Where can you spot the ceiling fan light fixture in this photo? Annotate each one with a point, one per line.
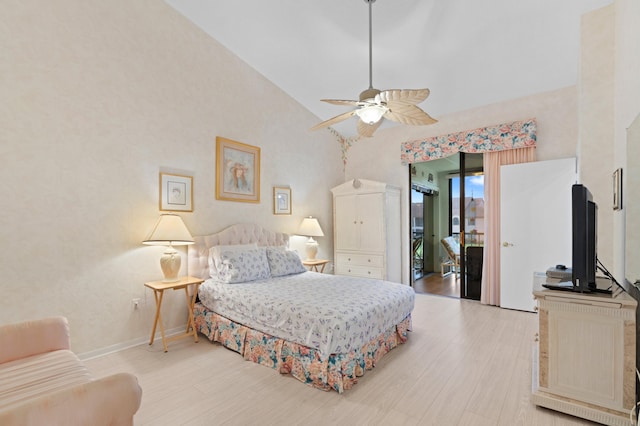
(375, 105)
(371, 114)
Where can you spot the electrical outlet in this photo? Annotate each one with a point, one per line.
(135, 303)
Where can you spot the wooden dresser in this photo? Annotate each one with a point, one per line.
(585, 358)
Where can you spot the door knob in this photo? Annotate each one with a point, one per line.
(506, 244)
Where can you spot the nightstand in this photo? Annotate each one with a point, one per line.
(313, 264)
(158, 288)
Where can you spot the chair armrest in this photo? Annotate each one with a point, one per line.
(112, 400)
(29, 338)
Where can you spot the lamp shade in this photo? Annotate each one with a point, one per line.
(169, 230)
(310, 227)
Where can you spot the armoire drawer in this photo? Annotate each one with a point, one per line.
(367, 260)
(360, 271)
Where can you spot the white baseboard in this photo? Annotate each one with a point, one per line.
(129, 344)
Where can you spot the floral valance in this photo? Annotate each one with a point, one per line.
(519, 134)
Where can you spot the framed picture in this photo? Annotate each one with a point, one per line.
(176, 193)
(281, 200)
(617, 189)
(237, 171)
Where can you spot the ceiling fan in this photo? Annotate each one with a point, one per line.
(373, 105)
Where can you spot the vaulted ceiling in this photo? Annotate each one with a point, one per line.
(468, 53)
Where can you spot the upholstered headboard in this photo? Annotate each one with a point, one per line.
(242, 233)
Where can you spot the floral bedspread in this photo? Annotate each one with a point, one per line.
(328, 313)
(337, 371)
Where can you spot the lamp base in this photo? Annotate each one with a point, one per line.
(311, 248)
(170, 264)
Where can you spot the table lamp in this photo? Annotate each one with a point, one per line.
(311, 228)
(169, 231)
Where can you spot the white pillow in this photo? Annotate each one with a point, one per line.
(284, 262)
(214, 255)
(242, 266)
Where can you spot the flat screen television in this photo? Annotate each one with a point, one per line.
(584, 219)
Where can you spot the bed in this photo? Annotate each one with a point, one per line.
(324, 330)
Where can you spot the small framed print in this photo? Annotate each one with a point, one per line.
(176, 193)
(281, 200)
(617, 189)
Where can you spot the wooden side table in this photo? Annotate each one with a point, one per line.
(158, 288)
(314, 263)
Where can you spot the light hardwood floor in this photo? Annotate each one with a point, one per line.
(434, 283)
(464, 364)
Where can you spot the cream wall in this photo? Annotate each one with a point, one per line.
(626, 107)
(98, 98)
(609, 102)
(378, 158)
(596, 117)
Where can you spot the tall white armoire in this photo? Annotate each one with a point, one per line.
(366, 230)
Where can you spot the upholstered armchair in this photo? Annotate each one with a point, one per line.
(43, 383)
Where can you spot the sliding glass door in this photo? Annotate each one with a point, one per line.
(466, 221)
(447, 225)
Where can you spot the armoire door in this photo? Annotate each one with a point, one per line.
(345, 222)
(371, 221)
(360, 222)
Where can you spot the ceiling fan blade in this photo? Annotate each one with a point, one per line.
(367, 130)
(334, 120)
(411, 96)
(341, 102)
(408, 114)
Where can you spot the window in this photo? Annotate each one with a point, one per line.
(473, 207)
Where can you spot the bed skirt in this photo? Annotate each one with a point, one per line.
(338, 371)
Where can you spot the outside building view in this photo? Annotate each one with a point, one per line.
(474, 209)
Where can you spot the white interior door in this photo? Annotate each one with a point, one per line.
(535, 228)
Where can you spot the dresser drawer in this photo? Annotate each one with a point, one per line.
(360, 271)
(366, 260)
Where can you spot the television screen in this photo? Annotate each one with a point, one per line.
(584, 217)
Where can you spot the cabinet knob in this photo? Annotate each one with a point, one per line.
(369, 260)
(361, 222)
(535, 308)
(369, 272)
(349, 259)
(355, 222)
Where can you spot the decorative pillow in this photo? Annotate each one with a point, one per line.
(242, 266)
(284, 262)
(214, 255)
